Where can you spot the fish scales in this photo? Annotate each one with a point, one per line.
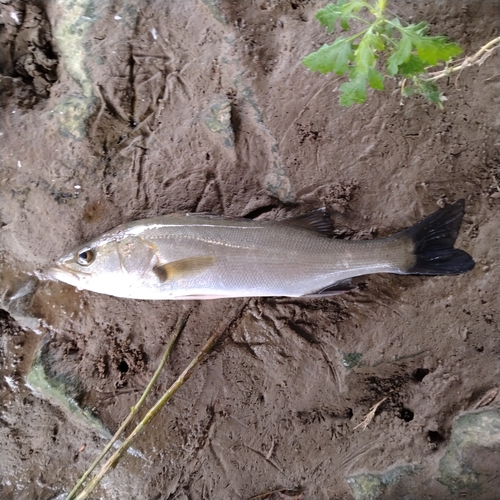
(252, 256)
(197, 256)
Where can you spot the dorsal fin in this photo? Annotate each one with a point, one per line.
(317, 220)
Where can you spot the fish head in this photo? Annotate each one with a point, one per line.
(116, 263)
(90, 266)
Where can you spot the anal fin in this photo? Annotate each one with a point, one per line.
(335, 289)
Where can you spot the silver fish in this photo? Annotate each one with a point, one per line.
(195, 256)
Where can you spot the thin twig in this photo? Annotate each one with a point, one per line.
(286, 494)
(370, 415)
(487, 398)
(180, 326)
(99, 114)
(183, 377)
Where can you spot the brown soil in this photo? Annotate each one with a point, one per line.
(276, 405)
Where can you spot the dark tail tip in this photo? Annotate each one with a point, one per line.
(434, 238)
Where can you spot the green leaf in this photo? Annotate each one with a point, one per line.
(353, 91)
(343, 9)
(414, 31)
(375, 79)
(413, 66)
(430, 49)
(400, 56)
(430, 91)
(396, 22)
(433, 49)
(347, 9)
(365, 54)
(328, 15)
(344, 24)
(377, 42)
(330, 58)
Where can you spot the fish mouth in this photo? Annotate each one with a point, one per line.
(58, 272)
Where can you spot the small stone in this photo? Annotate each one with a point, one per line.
(470, 458)
(375, 486)
(218, 120)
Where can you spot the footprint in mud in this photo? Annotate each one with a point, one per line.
(28, 62)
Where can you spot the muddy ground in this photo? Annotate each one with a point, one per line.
(114, 111)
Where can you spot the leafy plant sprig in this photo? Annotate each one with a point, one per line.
(409, 52)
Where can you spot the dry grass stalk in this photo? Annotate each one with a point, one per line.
(281, 494)
(180, 326)
(370, 415)
(181, 379)
(487, 398)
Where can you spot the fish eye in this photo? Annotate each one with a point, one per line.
(86, 257)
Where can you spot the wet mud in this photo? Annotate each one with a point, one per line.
(114, 111)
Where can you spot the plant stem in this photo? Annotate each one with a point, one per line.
(183, 377)
(360, 19)
(389, 39)
(180, 326)
(353, 37)
(369, 7)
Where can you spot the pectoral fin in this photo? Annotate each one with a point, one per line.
(183, 268)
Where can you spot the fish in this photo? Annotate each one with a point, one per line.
(200, 256)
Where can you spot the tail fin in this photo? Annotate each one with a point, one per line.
(434, 238)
